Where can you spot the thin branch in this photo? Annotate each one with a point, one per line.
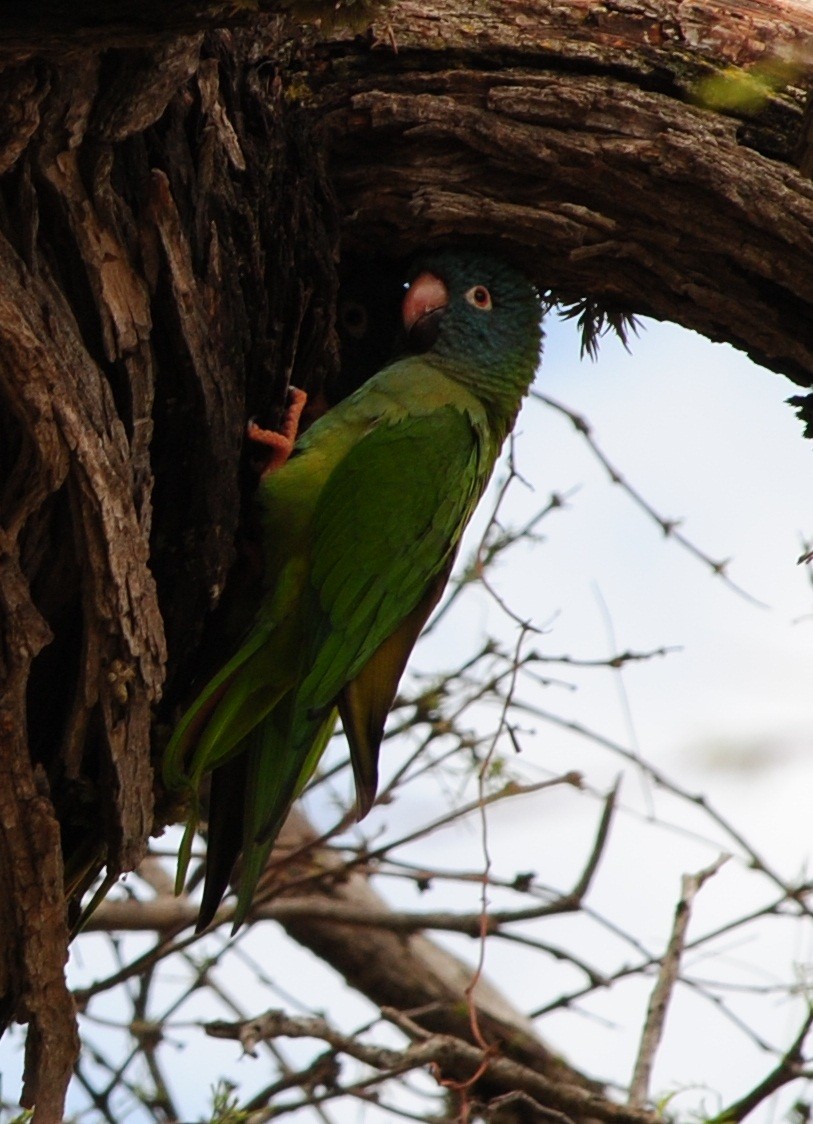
(664, 986)
(482, 800)
(169, 912)
(755, 859)
(789, 1069)
(141, 916)
(511, 789)
(669, 527)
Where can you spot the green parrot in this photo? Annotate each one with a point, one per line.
(360, 528)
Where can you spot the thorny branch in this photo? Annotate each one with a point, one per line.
(167, 912)
(669, 527)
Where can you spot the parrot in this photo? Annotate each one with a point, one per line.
(360, 528)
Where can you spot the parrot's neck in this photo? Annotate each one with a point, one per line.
(498, 368)
(501, 388)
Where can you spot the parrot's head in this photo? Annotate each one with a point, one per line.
(477, 314)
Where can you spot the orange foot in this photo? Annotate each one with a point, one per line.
(277, 447)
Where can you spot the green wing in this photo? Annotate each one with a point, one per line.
(235, 677)
(366, 700)
(380, 559)
(376, 551)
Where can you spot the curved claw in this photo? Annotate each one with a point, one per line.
(278, 446)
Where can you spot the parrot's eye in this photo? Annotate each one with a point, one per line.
(353, 318)
(480, 297)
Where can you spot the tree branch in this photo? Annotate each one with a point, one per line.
(443, 1052)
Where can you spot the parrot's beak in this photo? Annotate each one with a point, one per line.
(423, 309)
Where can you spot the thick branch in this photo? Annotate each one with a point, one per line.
(585, 160)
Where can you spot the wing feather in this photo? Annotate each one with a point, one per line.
(381, 558)
(365, 701)
(377, 550)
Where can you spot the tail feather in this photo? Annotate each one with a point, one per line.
(279, 768)
(251, 795)
(224, 835)
(194, 723)
(263, 744)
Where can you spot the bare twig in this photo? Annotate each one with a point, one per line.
(669, 527)
(790, 1067)
(664, 986)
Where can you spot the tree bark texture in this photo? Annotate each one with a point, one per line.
(172, 208)
(160, 257)
(569, 134)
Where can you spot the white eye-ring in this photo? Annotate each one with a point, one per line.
(479, 297)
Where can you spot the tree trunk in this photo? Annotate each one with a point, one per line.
(172, 208)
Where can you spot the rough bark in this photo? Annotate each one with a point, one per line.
(573, 141)
(168, 235)
(159, 256)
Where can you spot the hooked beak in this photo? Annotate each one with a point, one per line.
(423, 309)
